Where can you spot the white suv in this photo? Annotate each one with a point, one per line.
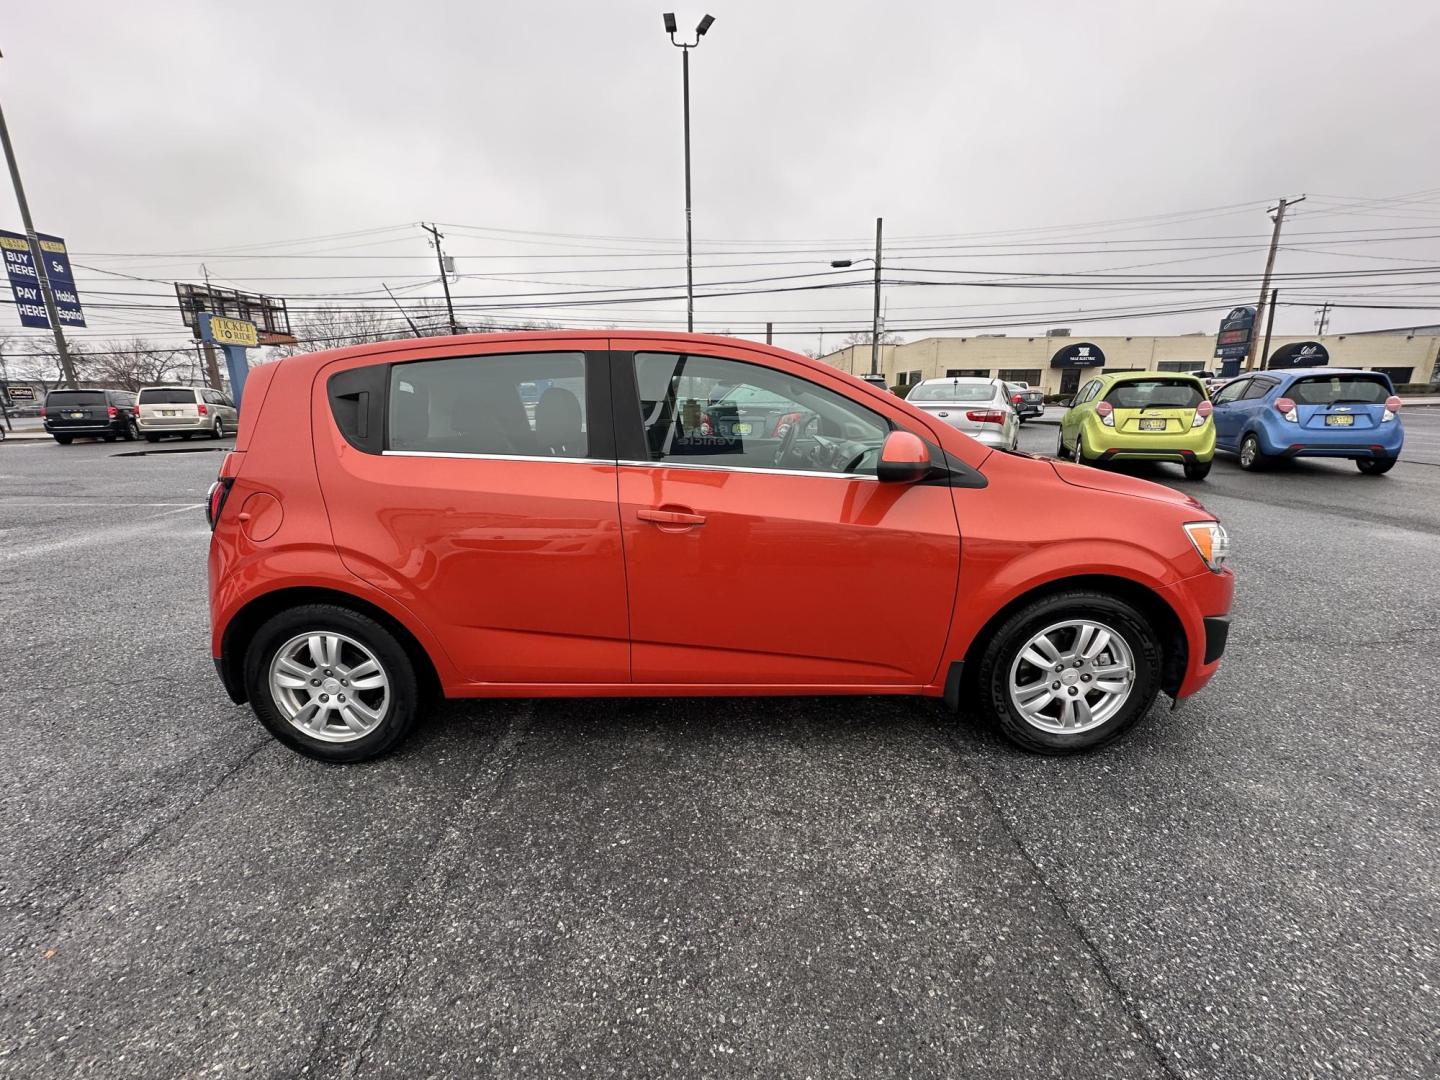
(184, 411)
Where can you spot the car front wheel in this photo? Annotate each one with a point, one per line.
(331, 683)
(1070, 672)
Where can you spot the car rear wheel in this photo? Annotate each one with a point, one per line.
(1081, 456)
(1251, 457)
(132, 430)
(331, 683)
(1374, 466)
(64, 440)
(218, 431)
(1197, 470)
(1070, 672)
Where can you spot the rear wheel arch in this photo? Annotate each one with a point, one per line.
(241, 630)
(1163, 619)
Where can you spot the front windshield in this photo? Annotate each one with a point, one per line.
(952, 391)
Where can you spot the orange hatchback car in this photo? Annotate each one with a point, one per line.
(579, 514)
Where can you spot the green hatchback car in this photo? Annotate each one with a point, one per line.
(1141, 415)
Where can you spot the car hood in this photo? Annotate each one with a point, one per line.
(1083, 476)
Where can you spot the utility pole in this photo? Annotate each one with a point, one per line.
(212, 366)
(1324, 317)
(1279, 212)
(769, 333)
(1269, 325)
(413, 328)
(875, 320)
(444, 280)
(51, 310)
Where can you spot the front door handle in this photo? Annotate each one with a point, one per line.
(672, 519)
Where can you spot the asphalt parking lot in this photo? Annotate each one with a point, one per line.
(1246, 887)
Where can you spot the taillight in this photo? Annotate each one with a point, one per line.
(986, 417)
(707, 426)
(1106, 412)
(111, 411)
(135, 409)
(215, 499)
(1202, 412)
(202, 408)
(1017, 399)
(43, 412)
(1392, 406)
(1286, 408)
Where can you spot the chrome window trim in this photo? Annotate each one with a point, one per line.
(745, 469)
(494, 457)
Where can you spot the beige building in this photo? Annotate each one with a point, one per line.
(1057, 362)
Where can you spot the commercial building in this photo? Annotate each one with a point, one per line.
(1057, 362)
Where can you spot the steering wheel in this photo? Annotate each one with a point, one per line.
(787, 441)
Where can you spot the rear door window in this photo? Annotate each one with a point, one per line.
(1156, 394)
(67, 399)
(511, 405)
(1339, 390)
(167, 395)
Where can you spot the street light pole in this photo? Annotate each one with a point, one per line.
(37, 258)
(685, 47)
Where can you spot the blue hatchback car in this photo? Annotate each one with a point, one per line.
(1310, 412)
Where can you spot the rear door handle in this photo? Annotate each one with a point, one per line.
(671, 518)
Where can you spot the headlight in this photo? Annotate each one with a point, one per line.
(1211, 542)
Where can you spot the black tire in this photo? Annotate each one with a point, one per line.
(152, 438)
(110, 438)
(64, 440)
(132, 431)
(1080, 455)
(1014, 633)
(1197, 470)
(218, 431)
(1060, 446)
(404, 687)
(1375, 466)
(1250, 457)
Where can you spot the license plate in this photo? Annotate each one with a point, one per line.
(1340, 421)
(168, 412)
(741, 429)
(1152, 425)
(75, 416)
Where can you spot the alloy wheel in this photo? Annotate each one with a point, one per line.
(329, 686)
(1072, 676)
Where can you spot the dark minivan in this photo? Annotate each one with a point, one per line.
(96, 414)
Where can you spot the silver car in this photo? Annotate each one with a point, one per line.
(979, 407)
(185, 411)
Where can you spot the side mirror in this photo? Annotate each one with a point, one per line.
(904, 459)
(1066, 403)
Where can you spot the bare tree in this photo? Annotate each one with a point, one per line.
(131, 363)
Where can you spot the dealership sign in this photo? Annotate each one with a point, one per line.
(25, 284)
(1300, 354)
(1233, 341)
(1082, 354)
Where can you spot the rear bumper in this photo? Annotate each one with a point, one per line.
(84, 429)
(1195, 445)
(153, 424)
(1292, 440)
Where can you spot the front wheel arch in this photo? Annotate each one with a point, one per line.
(1156, 609)
(241, 630)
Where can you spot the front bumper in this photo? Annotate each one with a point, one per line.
(1203, 604)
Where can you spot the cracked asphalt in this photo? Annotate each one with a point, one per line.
(1245, 887)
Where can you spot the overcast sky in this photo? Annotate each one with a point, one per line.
(194, 128)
